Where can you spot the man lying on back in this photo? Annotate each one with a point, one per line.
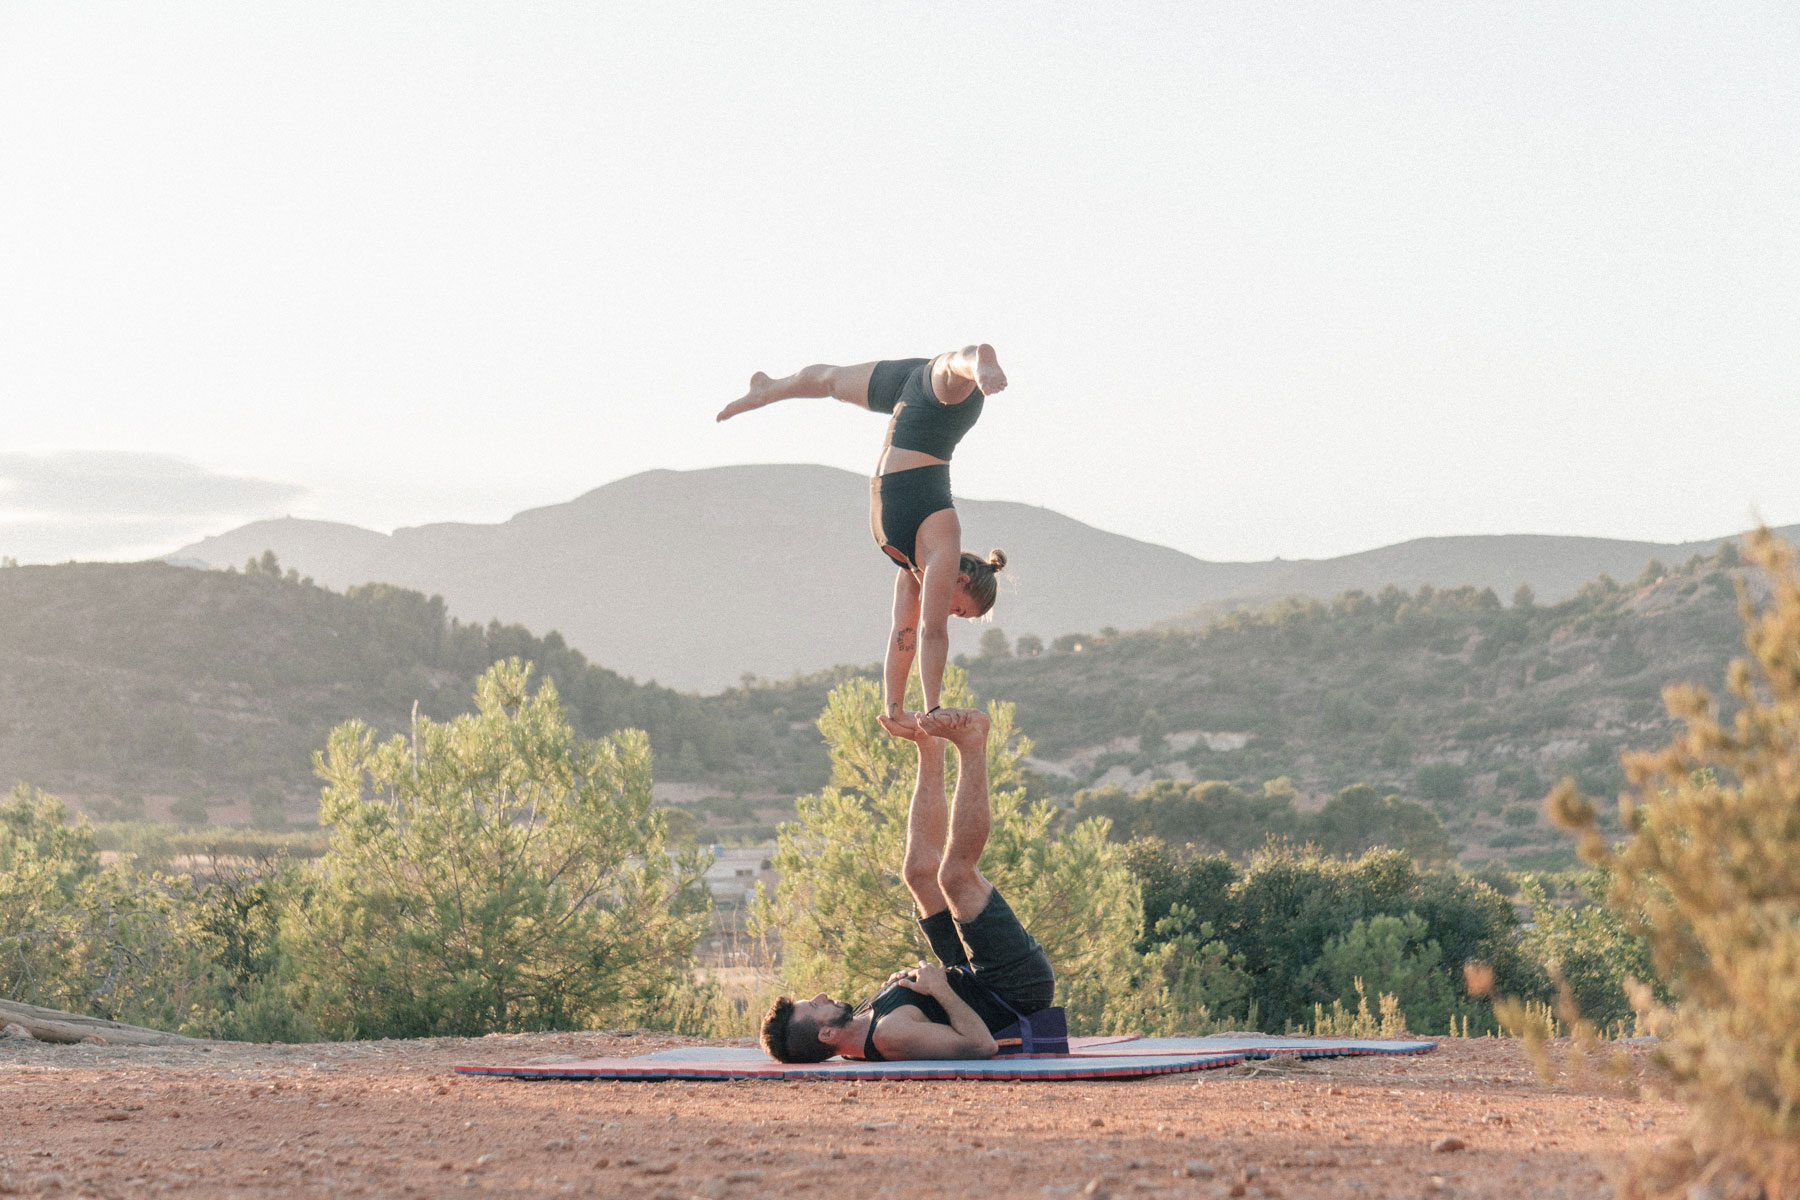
(927, 1011)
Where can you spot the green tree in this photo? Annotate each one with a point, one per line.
(1359, 818)
(86, 937)
(1153, 734)
(1191, 982)
(267, 807)
(189, 811)
(1441, 781)
(1519, 815)
(1396, 749)
(842, 912)
(1029, 645)
(994, 644)
(1392, 954)
(495, 873)
(1591, 948)
(1123, 811)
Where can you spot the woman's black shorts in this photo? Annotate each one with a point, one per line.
(900, 501)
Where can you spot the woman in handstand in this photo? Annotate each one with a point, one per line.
(934, 401)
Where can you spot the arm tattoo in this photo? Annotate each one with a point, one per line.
(903, 638)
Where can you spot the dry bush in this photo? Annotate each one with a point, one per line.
(1711, 872)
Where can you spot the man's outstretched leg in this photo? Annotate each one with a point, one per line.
(959, 875)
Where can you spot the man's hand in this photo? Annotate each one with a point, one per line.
(928, 978)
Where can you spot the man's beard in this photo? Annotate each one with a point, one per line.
(845, 1012)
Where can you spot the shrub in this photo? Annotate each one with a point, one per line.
(1519, 815)
(1191, 983)
(1522, 780)
(1711, 875)
(86, 937)
(1359, 818)
(1441, 781)
(497, 873)
(1390, 955)
(1396, 749)
(1123, 812)
(1589, 947)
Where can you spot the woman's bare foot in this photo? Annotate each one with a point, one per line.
(756, 397)
(966, 728)
(988, 375)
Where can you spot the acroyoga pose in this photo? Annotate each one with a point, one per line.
(927, 1011)
(934, 401)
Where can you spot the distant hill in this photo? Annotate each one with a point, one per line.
(129, 682)
(131, 687)
(695, 578)
(1442, 695)
(1554, 567)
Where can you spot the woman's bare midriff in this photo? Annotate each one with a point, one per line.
(894, 459)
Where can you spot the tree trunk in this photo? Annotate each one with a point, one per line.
(51, 1025)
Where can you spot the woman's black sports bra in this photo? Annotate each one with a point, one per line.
(924, 423)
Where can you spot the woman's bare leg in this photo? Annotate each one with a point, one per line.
(849, 384)
(953, 372)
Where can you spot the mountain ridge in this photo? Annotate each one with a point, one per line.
(697, 578)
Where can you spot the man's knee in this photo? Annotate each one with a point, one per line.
(959, 875)
(920, 870)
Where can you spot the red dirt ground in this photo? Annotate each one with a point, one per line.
(390, 1119)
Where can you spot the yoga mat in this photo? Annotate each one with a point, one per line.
(1254, 1046)
(735, 1062)
(1091, 1058)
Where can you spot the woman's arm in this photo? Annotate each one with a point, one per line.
(902, 643)
(938, 594)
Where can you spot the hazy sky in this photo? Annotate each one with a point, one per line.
(1269, 279)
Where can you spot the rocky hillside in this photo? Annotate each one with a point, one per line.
(1448, 696)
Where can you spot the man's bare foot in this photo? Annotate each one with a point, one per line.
(756, 397)
(988, 375)
(967, 728)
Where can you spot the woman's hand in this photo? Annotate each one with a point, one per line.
(904, 725)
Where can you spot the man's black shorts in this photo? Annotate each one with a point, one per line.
(1005, 958)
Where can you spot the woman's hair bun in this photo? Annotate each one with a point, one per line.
(997, 559)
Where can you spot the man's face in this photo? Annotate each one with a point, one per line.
(822, 1010)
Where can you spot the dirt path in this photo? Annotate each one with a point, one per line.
(389, 1119)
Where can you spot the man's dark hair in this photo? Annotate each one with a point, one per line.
(792, 1039)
